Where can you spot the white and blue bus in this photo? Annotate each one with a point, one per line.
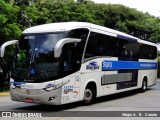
(66, 62)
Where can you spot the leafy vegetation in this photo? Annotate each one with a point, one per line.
(17, 15)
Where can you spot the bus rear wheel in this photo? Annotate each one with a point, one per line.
(144, 85)
(89, 95)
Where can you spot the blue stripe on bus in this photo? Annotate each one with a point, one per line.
(18, 83)
(126, 38)
(120, 65)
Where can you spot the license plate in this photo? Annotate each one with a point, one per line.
(29, 100)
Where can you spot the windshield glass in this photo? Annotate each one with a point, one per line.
(34, 58)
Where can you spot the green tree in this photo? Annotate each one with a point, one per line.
(9, 28)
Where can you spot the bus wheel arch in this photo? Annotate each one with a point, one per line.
(144, 84)
(90, 93)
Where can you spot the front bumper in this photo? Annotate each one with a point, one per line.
(52, 97)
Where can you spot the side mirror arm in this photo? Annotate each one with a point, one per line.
(2, 48)
(158, 46)
(61, 43)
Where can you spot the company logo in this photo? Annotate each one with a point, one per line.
(107, 65)
(49, 85)
(68, 89)
(92, 66)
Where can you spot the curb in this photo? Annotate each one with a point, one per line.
(4, 94)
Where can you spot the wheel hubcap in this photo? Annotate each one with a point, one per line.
(88, 95)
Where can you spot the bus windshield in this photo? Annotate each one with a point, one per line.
(34, 58)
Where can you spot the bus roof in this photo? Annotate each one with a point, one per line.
(66, 26)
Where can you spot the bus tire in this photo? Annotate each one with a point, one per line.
(144, 85)
(89, 95)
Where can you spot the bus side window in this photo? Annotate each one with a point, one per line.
(124, 52)
(92, 45)
(123, 48)
(101, 45)
(134, 49)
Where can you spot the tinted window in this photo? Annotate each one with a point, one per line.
(101, 45)
(104, 45)
(123, 48)
(80, 34)
(147, 52)
(134, 49)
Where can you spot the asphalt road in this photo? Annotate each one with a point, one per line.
(127, 101)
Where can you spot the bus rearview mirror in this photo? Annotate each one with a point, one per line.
(61, 43)
(2, 48)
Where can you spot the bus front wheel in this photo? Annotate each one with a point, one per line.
(89, 95)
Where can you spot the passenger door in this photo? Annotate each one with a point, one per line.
(70, 91)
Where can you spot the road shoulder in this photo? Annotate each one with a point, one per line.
(4, 94)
